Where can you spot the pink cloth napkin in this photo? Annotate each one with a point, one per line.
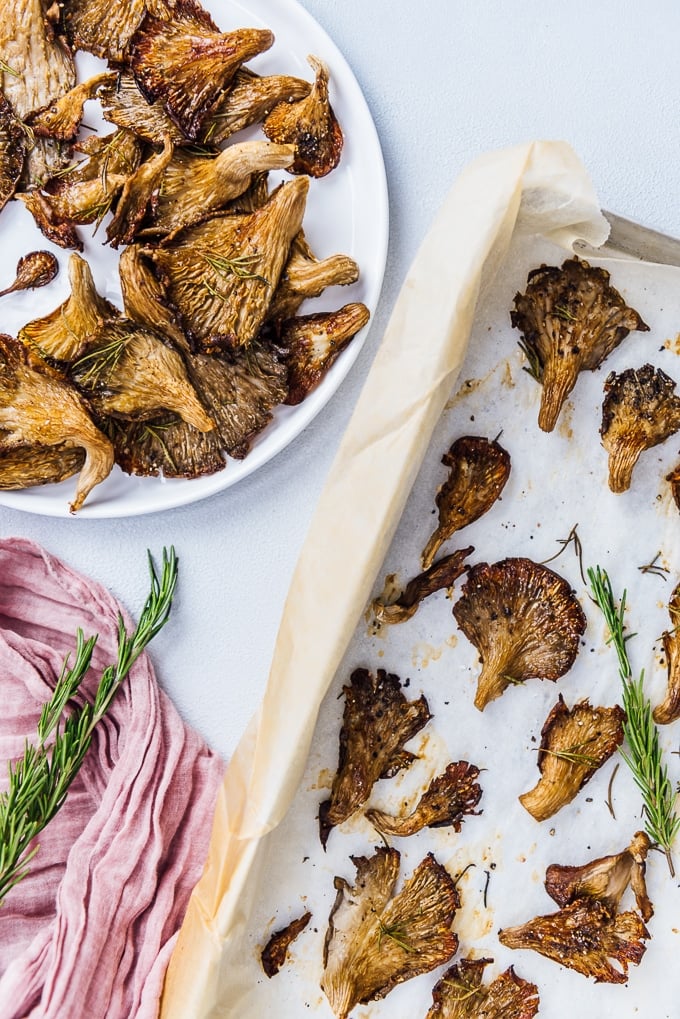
(89, 932)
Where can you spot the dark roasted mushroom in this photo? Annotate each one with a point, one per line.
(669, 709)
(140, 194)
(640, 410)
(574, 744)
(478, 471)
(13, 145)
(38, 65)
(164, 445)
(442, 574)
(274, 953)
(377, 722)
(305, 276)
(124, 105)
(105, 27)
(248, 100)
(313, 342)
(460, 994)
(570, 319)
(448, 798)
(310, 125)
(376, 941)
(674, 478)
(144, 298)
(523, 619)
(61, 119)
(36, 269)
(586, 936)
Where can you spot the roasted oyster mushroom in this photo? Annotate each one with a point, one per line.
(36, 269)
(305, 276)
(26, 466)
(248, 100)
(674, 479)
(139, 195)
(574, 744)
(605, 879)
(310, 125)
(13, 145)
(38, 65)
(274, 953)
(39, 409)
(377, 722)
(443, 573)
(587, 936)
(164, 445)
(124, 105)
(144, 298)
(313, 342)
(640, 410)
(448, 798)
(460, 994)
(61, 119)
(478, 471)
(376, 941)
(523, 619)
(105, 27)
(571, 318)
(669, 709)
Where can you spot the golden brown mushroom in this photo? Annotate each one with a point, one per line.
(13, 146)
(571, 318)
(36, 269)
(460, 994)
(305, 276)
(248, 100)
(669, 709)
(448, 798)
(275, 952)
(139, 195)
(105, 27)
(61, 119)
(441, 574)
(313, 342)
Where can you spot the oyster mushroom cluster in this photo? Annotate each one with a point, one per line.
(214, 264)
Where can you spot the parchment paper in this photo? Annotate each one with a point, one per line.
(263, 870)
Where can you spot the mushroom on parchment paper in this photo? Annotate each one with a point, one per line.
(460, 994)
(442, 574)
(445, 802)
(669, 709)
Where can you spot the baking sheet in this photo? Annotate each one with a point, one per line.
(255, 884)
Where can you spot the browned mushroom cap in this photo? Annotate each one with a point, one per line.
(377, 722)
(460, 994)
(274, 953)
(523, 619)
(139, 195)
(478, 472)
(571, 319)
(640, 410)
(248, 100)
(186, 62)
(36, 269)
(56, 229)
(313, 342)
(61, 119)
(41, 65)
(124, 105)
(674, 479)
(443, 573)
(586, 936)
(28, 466)
(375, 941)
(144, 298)
(448, 798)
(669, 709)
(605, 879)
(310, 125)
(38, 408)
(574, 744)
(105, 27)
(164, 445)
(13, 145)
(305, 276)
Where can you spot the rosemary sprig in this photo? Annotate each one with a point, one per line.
(534, 367)
(655, 568)
(571, 538)
(93, 368)
(39, 781)
(6, 69)
(563, 312)
(644, 757)
(572, 755)
(395, 932)
(239, 266)
(467, 990)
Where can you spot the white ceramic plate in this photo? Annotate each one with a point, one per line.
(346, 212)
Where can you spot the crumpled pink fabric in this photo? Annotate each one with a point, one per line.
(89, 932)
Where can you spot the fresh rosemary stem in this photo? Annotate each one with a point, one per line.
(39, 781)
(644, 757)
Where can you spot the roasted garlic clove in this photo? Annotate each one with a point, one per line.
(448, 798)
(669, 709)
(140, 193)
(313, 342)
(310, 125)
(248, 100)
(478, 471)
(220, 275)
(305, 276)
(570, 319)
(187, 63)
(574, 744)
(460, 994)
(443, 574)
(605, 879)
(36, 269)
(640, 410)
(376, 940)
(61, 119)
(164, 445)
(124, 105)
(274, 953)
(586, 936)
(523, 619)
(39, 409)
(13, 146)
(377, 722)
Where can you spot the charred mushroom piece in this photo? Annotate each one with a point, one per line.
(61, 119)
(140, 193)
(310, 125)
(574, 744)
(674, 479)
(144, 298)
(124, 105)
(313, 343)
(443, 574)
(38, 65)
(376, 940)
(39, 409)
(377, 722)
(220, 275)
(28, 466)
(448, 798)
(164, 445)
(586, 936)
(60, 231)
(605, 879)
(305, 276)
(478, 472)
(571, 318)
(460, 994)
(13, 145)
(669, 709)
(187, 63)
(275, 951)
(105, 27)
(36, 269)
(523, 619)
(640, 410)
(248, 100)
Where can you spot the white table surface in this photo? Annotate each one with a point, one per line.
(446, 81)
